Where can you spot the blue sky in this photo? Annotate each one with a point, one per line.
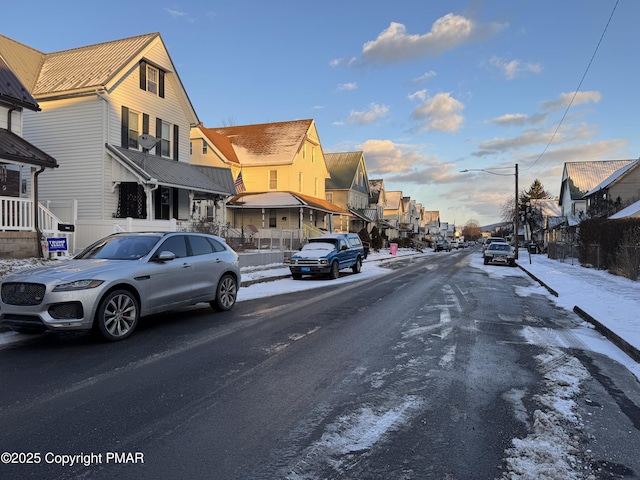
(425, 88)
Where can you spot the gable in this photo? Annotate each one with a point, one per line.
(268, 143)
(12, 91)
(344, 169)
(580, 177)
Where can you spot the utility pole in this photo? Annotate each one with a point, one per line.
(517, 214)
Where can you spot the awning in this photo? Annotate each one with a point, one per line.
(15, 149)
(283, 200)
(363, 214)
(155, 170)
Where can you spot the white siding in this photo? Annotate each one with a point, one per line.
(169, 108)
(16, 120)
(72, 132)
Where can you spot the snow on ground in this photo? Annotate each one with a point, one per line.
(550, 450)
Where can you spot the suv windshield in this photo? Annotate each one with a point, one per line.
(130, 247)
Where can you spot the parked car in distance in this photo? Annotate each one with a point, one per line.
(442, 244)
(500, 253)
(490, 240)
(120, 278)
(327, 255)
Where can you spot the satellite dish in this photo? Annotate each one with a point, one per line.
(147, 141)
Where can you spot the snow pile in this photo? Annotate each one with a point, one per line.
(550, 450)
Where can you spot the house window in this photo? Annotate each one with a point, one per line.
(329, 197)
(152, 79)
(204, 147)
(300, 182)
(165, 150)
(134, 129)
(273, 179)
(313, 154)
(272, 218)
(190, 148)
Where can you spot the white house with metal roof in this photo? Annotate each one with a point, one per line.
(117, 118)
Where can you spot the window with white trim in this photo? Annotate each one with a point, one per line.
(134, 128)
(273, 179)
(165, 135)
(152, 79)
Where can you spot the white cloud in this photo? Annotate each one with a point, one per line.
(348, 86)
(424, 77)
(440, 112)
(514, 68)
(395, 45)
(178, 14)
(368, 116)
(404, 164)
(564, 100)
(420, 95)
(518, 119)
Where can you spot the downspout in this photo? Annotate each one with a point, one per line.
(36, 208)
(9, 112)
(36, 205)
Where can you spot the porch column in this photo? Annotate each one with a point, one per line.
(262, 217)
(301, 221)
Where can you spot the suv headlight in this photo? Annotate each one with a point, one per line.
(78, 285)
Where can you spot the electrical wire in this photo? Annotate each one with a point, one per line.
(577, 89)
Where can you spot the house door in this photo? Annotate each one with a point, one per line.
(162, 202)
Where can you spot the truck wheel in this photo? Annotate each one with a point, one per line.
(357, 266)
(334, 273)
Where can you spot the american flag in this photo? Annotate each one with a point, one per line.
(239, 184)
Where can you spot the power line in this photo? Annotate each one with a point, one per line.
(577, 89)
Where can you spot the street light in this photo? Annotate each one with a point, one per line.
(517, 226)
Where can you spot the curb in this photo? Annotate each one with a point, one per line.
(613, 337)
(620, 342)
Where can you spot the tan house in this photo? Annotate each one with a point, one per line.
(348, 188)
(21, 221)
(578, 178)
(280, 171)
(619, 190)
(117, 118)
(394, 212)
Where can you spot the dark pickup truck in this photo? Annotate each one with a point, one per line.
(327, 255)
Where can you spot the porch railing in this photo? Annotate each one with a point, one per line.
(16, 214)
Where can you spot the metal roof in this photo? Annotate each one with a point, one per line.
(342, 168)
(12, 90)
(613, 178)
(16, 149)
(583, 176)
(283, 200)
(171, 173)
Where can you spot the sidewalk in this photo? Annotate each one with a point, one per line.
(609, 302)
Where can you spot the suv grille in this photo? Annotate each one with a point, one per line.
(23, 293)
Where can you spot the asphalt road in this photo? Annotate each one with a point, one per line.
(402, 376)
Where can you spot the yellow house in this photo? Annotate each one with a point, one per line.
(282, 170)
